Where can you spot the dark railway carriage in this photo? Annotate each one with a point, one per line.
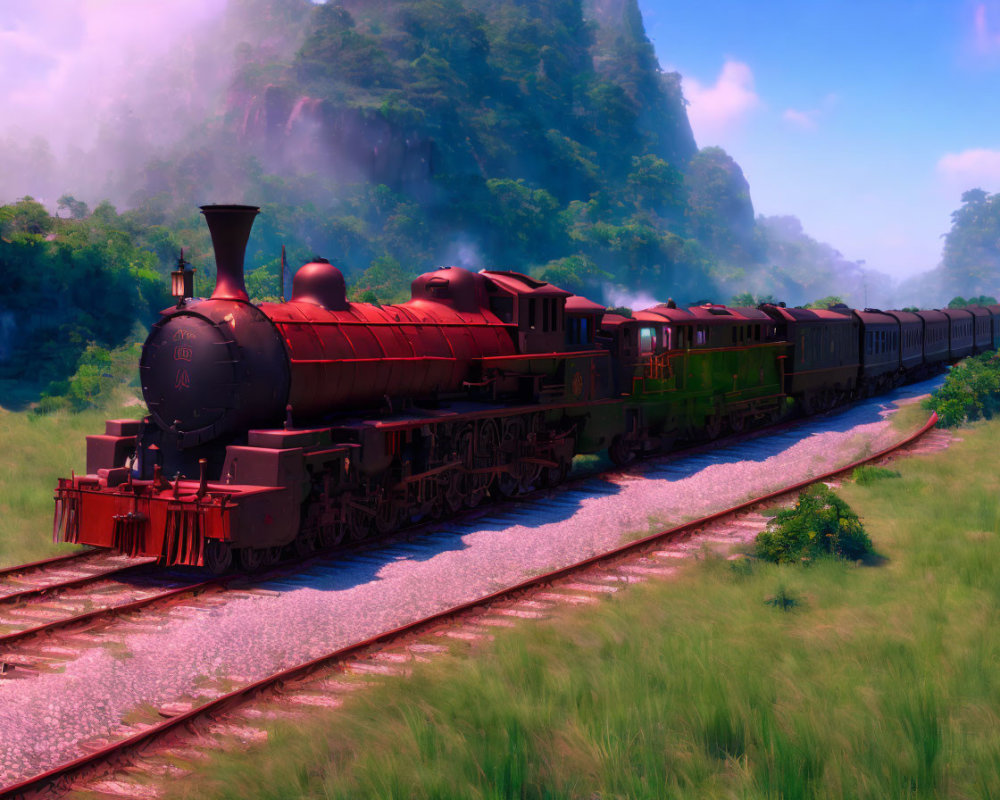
(982, 329)
(994, 325)
(936, 325)
(911, 341)
(880, 351)
(823, 360)
(961, 336)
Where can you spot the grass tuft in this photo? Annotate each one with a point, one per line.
(783, 599)
(867, 474)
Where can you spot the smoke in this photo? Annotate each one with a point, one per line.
(92, 89)
(464, 252)
(618, 297)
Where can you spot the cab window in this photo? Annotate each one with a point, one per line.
(647, 340)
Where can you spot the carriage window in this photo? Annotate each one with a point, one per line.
(545, 314)
(531, 313)
(699, 336)
(668, 335)
(647, 340)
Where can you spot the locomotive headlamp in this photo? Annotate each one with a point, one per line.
(182, 280)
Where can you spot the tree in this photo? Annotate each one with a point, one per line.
(384, 281)
(75, 209)
(750, 300)
(971, 258)
(720, 213)
(826, 302)
(576, 274)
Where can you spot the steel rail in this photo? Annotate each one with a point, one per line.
(72, 583)
(111, 611)
(234, 697)
(45, 562)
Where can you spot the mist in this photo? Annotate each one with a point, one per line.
(148, 103)
(95, 89)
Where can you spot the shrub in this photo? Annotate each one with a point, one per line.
(99, 372)
(783, 599)
(970, 392)
(820, 524)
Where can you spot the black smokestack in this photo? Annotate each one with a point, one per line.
(230, 228)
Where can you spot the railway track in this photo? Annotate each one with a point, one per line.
(629, 559)
(77, 589)
(51, 573)
(19, 622)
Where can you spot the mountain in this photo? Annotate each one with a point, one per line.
(538, 136)
(393, 136)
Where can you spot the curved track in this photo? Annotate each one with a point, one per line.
(238, 696)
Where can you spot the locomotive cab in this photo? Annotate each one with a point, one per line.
(537, 308)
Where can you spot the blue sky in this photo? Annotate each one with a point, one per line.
(867, 120)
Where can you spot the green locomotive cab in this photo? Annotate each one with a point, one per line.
(694, 373)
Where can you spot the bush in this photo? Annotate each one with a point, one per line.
(98, 374)
(820, 524)
(970, 392)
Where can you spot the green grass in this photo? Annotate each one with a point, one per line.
(750, 680)
(34, 452)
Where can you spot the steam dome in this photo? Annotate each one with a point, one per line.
(320, 283)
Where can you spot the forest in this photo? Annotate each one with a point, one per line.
(391, 137)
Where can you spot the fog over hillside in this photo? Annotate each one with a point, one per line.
(392, 136)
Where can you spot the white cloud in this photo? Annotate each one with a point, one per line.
(808, 120)
(978, 168)
(716, 110)
(805, 120)
(987, 32)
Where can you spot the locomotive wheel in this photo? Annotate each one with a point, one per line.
(667, 440)
(620, 452)
(305, 543)
(553, 476)
(737, 422)
(531, 473)
(473, 498)
(331, 535)
(358, 524)
(486, 455)
(251, 558)
(508, 483)
(218, 556)
(453, 495)
(462, 485)
(713, 426)
(437, 508)
(387, 516)
(388, 512)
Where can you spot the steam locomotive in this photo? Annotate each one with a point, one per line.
(303, 423)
